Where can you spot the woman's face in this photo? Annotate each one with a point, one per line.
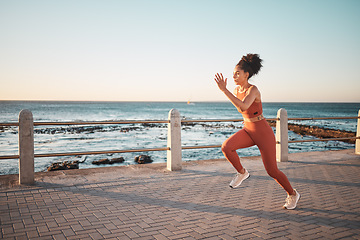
(240, 76)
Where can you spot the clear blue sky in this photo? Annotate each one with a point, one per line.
(169, 50)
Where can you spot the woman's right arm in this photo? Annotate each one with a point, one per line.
(240, 105)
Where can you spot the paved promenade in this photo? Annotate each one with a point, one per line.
(148, 202)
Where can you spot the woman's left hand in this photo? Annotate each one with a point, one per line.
(219, 79)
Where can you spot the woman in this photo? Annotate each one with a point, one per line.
(256, 131)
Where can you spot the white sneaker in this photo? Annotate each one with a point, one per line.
(291, 201)
(238, 179)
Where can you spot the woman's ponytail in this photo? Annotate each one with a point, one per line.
(250, 63)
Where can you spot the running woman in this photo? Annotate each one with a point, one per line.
(256, 131)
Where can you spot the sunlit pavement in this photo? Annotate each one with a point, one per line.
(149, 202)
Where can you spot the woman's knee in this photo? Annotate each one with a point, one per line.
(225, 147)
(273, 172)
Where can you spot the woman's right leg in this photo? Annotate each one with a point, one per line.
(241, 139)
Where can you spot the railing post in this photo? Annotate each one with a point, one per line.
(357, 142)
(26, 147)
(282, 136)
(174, 141)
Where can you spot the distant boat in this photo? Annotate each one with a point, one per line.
(190, 103)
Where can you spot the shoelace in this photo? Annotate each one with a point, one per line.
(288, 199)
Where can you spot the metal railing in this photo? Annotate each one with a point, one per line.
(160, 121)
(88, 123)
(174, 146)
(115, 123)
(282, 138)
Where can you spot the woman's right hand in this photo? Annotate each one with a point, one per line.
(221, 82)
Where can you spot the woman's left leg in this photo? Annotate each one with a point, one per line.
(265, 140)
(268, 155)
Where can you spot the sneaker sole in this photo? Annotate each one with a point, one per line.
(295, 206)
(240, 183)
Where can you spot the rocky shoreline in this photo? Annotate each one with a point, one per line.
(319, 132)
(67, 165)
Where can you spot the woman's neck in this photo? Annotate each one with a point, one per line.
(244, 87)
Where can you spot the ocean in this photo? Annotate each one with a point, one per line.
(54, 139)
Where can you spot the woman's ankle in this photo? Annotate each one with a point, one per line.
(293, 193)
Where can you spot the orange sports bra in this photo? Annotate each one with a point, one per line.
(254, 110)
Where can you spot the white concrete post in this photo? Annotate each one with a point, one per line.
(357, 142)
(282, 136)
(26, 147)
(174, 141)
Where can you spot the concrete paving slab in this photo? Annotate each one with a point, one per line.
(149, 202)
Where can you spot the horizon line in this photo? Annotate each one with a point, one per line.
(176, 101)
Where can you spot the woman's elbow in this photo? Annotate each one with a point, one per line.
(242, 108)
(239, 109)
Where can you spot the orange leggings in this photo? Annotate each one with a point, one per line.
(256, 133)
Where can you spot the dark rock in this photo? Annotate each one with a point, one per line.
(142, 159)
(56, 166)
(71, 164)
(107, 161)
(101, 161)
(117, 160)
(64, 165)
